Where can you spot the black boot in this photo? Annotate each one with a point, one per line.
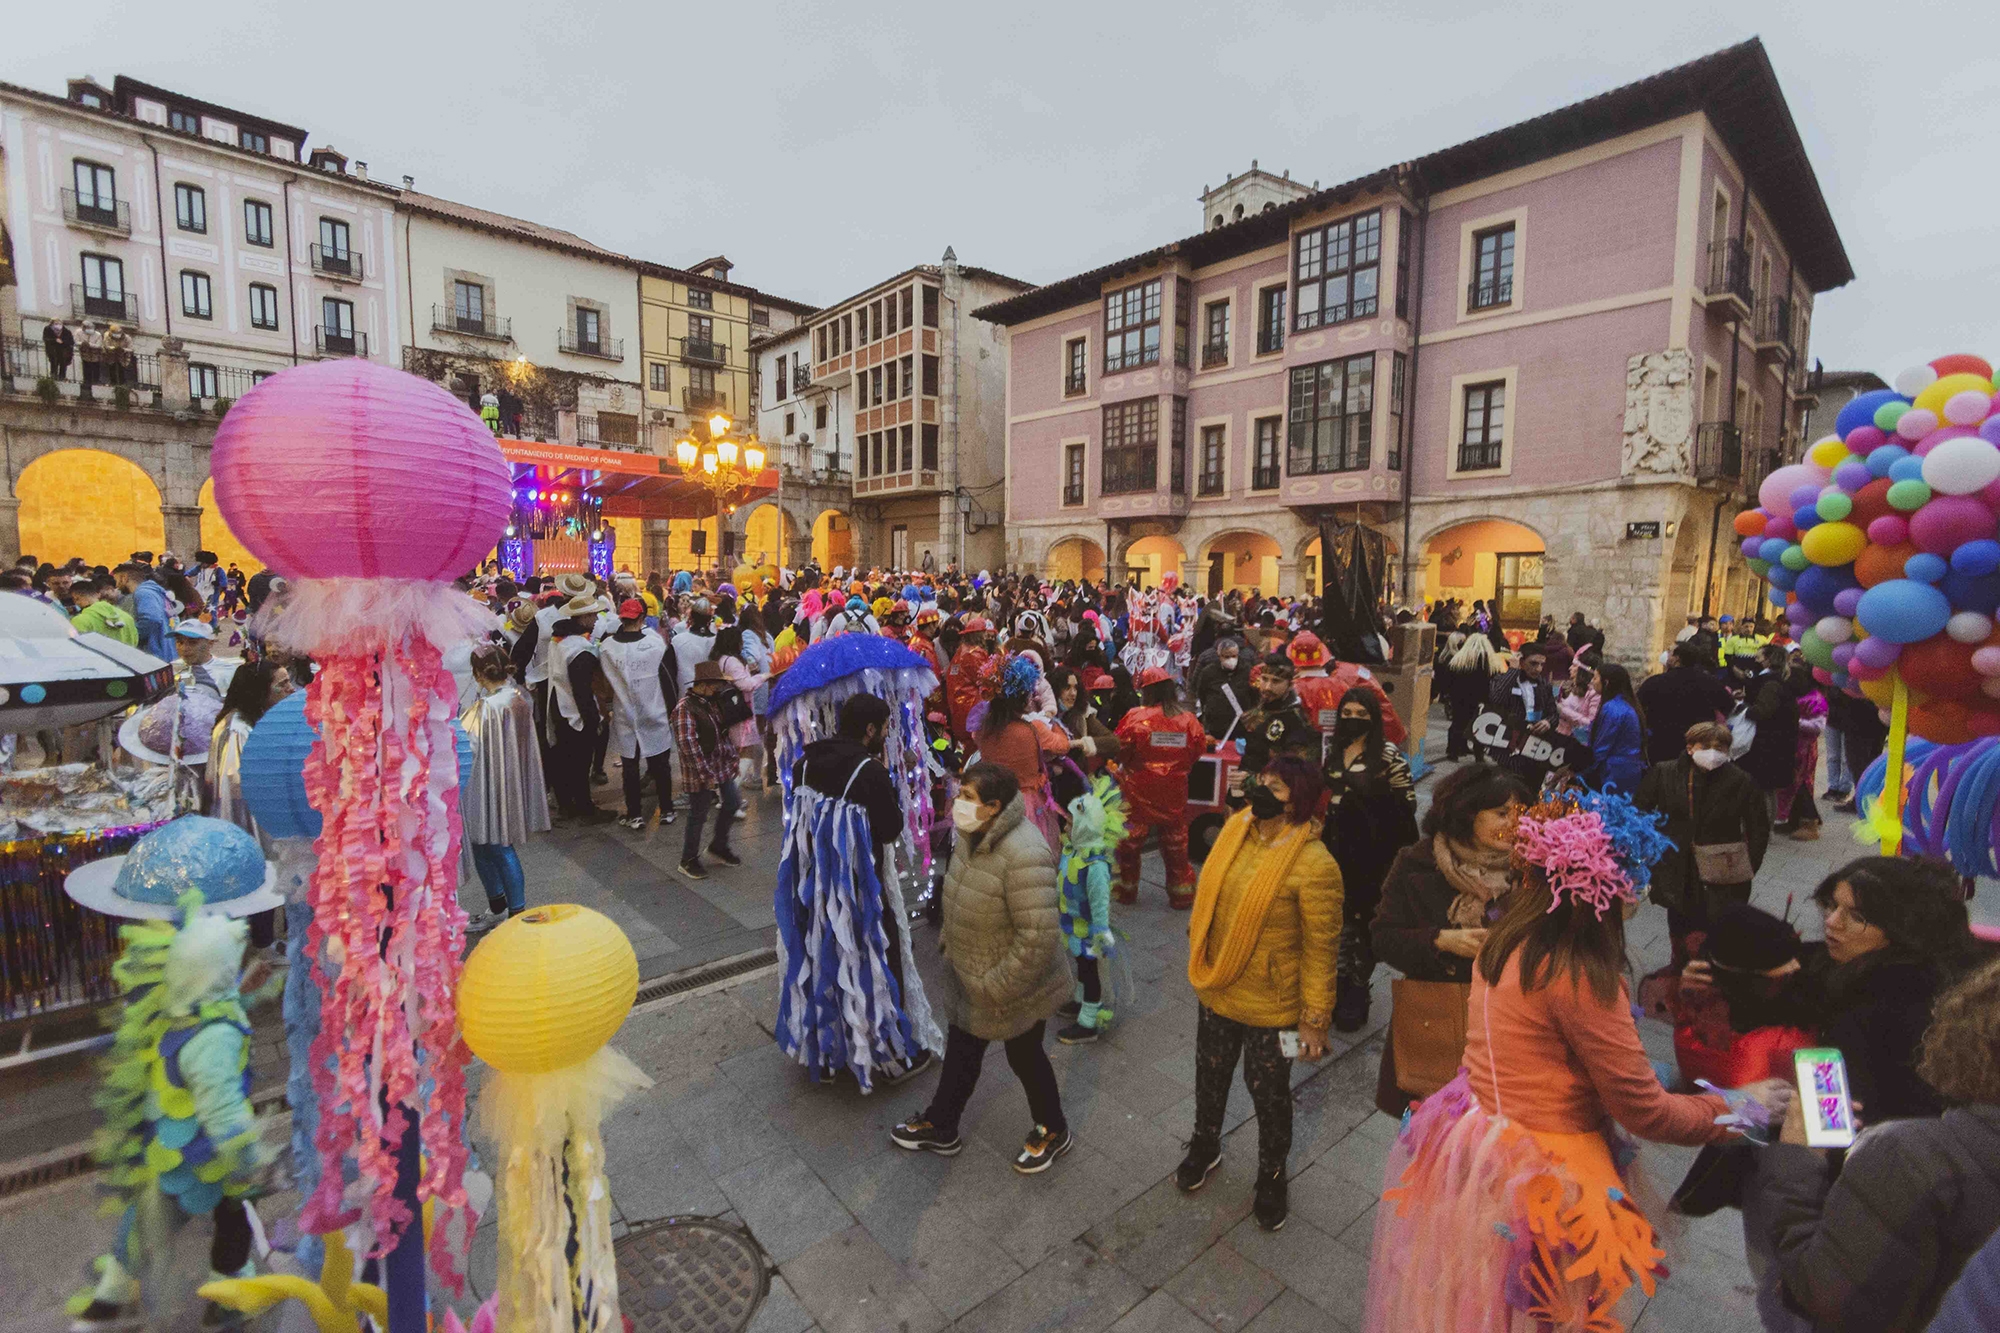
(1350, 1004)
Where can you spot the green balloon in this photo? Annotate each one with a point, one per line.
(1794, 558)
(1908, 494)
(1832, 508)
(1887, 415)
(1759, 567)
(1816, 650)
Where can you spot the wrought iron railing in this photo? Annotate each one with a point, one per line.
(85, 304)
(1214, 354)
(1729, 270)
(604, 349)
(337, 342)
(704, 351)
(98, 214)
(340, 264)
(1774, 323)
(703, 400)
(1486, 293)
(1718, 452)
(450, 319)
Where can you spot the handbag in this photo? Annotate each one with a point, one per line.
(1723, 862)
(731, 708)
(1742, 732)
(1427, 1032)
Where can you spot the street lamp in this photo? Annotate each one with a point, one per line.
(721, 465)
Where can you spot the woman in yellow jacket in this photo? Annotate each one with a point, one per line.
(1262, 944)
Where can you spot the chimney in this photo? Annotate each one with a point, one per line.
(361, 169)
(409, 182)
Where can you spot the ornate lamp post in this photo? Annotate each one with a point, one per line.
(721, 464)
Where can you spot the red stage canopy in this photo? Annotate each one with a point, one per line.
(631, 485)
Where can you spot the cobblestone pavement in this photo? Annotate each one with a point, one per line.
(863, 1236)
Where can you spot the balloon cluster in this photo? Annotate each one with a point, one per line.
(1881, 548)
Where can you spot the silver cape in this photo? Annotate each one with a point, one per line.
(505, 800)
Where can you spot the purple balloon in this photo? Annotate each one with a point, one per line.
(1803, 497)
(1990, 428)
(1841, 653)
(1877, 652)
(1799, 613)
(1852, 475)
(1846, 600)
(1751, 545)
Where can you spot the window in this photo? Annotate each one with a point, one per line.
(701, 329)
(930, 307)
(875, 449)
(760, 317)
(779, 385)
(190, 208)
(890, 309)
(333, 238)
(909, 448)
(819, 417)
(468, 305)
(791, 423)
(1332, 406)
(1214, 333)
(930, 444)
(588, 325)
(909, 376)
(909, 305)
(336, 324)
(196, 298)
(847, 333)
(93, 100)
(1492, 268)
(658, 376)
(1338, 268)
(263, 306)
(874, 314)
(1484, 437)
(822, 342)
(256, 222)
(895, 385)
(1264, 464)
(1131, 446)
(187, 122)
(201, 380)
(700, 299)
(1211, 461)
(1270, 321)
(930, 376)
(1405, 238)
(1075, 352)
(875, 387)
(96, 192)
(701, 384)
(1073, 474)
(103, 286)
(1132, 327)
(253, 141)
(1183, 318)
(1398, 367)
(1177, 449)
(257, 377)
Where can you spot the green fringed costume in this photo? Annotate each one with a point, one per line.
(1096, 827)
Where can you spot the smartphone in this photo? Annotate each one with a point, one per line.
(1288, 1043)
(1829, 1112)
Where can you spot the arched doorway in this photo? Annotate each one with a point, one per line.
(1489, 560)
(1074, 558)
(628, 545)
(216, 536)
(1151, 559)
(89, 503)
(833, 539)
(761, 543)
(1239, 561)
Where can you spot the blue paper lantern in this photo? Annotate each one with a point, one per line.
(274, 769)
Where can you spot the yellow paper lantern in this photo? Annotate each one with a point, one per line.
(547, 989)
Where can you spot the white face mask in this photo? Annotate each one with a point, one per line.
(965, 814)
(1711, 759)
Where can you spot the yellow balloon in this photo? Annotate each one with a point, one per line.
(1882, 689)
(1832, 543)
(547, 989)
(1829, 452)
(1941, 390)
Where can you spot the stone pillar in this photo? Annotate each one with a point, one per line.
(174, 376)
(183, 530)
(1288, 579)
(10, 528)
(566, 424)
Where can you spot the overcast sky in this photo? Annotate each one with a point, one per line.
(825, 147)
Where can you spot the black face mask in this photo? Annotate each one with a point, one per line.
(1264, 804)
(1350, 728)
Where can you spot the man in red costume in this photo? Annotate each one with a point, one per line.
(1159, 743)
(1321, 682)
(975, 645)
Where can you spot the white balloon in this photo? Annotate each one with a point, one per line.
(1961, 466)
(1969, 627)
(1915, 380)
(1834, 629)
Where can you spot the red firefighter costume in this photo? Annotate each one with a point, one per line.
(922, 645)
(1155, 755)
(1321, 682)
(962, 686)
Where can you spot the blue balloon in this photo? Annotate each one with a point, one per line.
(1772, 548)
(1925, 567)
(1885, 457)
(1980, 557)
(1777, 592)
(1842, 680)
(1818, 585)
(1907, 469)
(1903, 611)
(1861, 411)
(1973, 592)
(274, 767)
(1806, 517)
(1779, 576)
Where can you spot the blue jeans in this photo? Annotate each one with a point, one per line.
(500, 871)
(1837, 776)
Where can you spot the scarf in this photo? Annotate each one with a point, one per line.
(1262, 890)
(1480, 874)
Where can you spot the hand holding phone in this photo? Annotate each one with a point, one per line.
(1288, 1043)
(1824, 1101)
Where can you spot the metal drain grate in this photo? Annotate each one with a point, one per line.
(690, 1275)
(65, 1163)
(726, 969)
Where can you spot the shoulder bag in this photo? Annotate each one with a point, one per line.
(1427, 1032)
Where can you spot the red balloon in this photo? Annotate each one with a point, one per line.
(1750, 523)
(1983, 721)
(1962, 363)
(1872, 502)
(1878, 564)
(1780, 526)
(1943, 722)
(1942, 668)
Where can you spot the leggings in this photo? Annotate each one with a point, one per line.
(1266, 1073)
(1086, 977)
(963, 1055)
(500, 872)
(659, 767)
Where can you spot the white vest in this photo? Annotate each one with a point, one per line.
(639, 721)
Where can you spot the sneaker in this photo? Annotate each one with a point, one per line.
(1269, 1205)
(1805, 833)
(919, 1135)
(694, 869)
(103, 1316)
(891, 1075)
(1076, 1034)
(667, 815)
(1039, 1153)
(1846, 807)
(633, 822)
(1070, 1009)
(485, 921)
(743, 812)
(1197, 1167)
(600, 779)
(724, 855)
(1350, 1005)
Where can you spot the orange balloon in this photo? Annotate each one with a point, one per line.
(1878, 564)
(1941, 668)
(1750, 523)
(1943, 721)
(1963, 363)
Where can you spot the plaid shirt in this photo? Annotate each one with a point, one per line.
(702, 766)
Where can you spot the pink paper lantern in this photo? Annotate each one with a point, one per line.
(349, 469)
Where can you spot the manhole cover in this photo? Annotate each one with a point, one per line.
(690, 1275)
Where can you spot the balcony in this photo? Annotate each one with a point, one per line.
(84, 304)
(1773, 328)
(1718, 452)
(338, 342)
(604, 349)
(703, 352)
(112, 216)
(1486, 293)
(447, 319)
(704, 400)
(342, 265)
(1728, 288)
(1214, 354)
(802, 379)
(611, 431)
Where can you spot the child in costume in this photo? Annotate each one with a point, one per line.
(1083, 877)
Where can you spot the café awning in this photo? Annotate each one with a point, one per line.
(631, 485)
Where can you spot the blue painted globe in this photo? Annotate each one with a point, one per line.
(193, 852)
(274, 768)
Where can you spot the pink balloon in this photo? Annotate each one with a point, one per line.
(1990, 496)
(1947, 522)
(1864, 439)
(1860, 670)
(1938, 437)
(1775, 494)
(349, 469)
(1917, 423)
(1968, 408)
(1890, 530)
(1780, 525)
(1822, 675)
(1986, 661)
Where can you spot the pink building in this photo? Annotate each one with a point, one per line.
(1546, 364)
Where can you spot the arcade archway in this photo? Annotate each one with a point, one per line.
(833, 539)
(1489, 560)
(216, 536)
(1074, 558)
(762, 544)
(84, 502)
(1239, 562)
(1151, 559)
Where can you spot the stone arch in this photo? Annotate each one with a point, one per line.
(1152, 558)
(1249, 561)
(1074, 556)
(768, 527)
(216, 536)
(1485, 559)
(95, 503)
(834, 539)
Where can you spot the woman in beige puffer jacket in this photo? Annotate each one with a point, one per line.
(1007, 968)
